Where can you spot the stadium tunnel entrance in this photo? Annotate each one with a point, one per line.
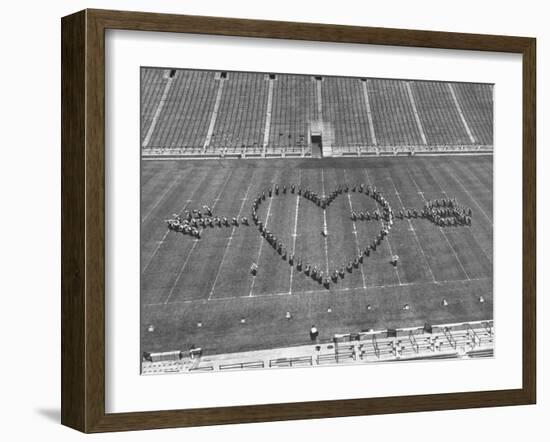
(316, 145)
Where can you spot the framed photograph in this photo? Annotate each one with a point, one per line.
(268, 221)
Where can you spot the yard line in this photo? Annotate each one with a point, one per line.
(412, 228)
(231, 237)
(441, 230)
(261, 245)
(195, 243)
(471, 232)
(470, 195)
(168, 230)
(356, 239)
(322, 291)
(180, 272)
(387, 238)
(161, 198)
(294, 235)
(325, 219)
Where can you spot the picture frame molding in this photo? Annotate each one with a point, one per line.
(83, 220)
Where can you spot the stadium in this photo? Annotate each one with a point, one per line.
(302, 220)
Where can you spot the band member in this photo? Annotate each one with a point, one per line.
(284, 190)
(292, 189)
(342, 273)
(244, 220)
(353, 216)
(270, 192)
(254, 269)
(235, 222)
(276, 189)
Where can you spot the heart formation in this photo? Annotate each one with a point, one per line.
(445, 212)
(385, 216)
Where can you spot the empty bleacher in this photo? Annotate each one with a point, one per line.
(153, 82)
(241, 117)
(393, 117)
(240, 114)
(476, 101)
(185, 117)
(440, 118)
(294, 107)
(344, 105)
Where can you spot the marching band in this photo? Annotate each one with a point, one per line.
(444, 212)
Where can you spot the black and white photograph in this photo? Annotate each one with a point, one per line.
(293, 220)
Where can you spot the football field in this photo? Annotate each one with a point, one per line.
(202, 292)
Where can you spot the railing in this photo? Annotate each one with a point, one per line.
(241, 365)
(291, 362)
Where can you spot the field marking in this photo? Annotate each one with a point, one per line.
(470, 230)
(231, 237)
(412, 228)
(180, 272)
(214, 116)
(261, 245)
(459, 109)
(294, 235)
(168, 230)
(441, 230)
(161, 198)
(415, 111)
(356, 238)
(195, 242)
(163, 98)
(322, 291)
(470, 195)
(369, 112)
(325, 219)
(388, 240)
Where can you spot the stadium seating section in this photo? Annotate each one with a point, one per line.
(207, 113)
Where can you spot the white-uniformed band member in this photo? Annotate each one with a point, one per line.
(313, 333)
(254, 269)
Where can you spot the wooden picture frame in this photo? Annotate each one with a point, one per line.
(83, 220)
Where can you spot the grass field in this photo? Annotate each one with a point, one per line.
(185, 281)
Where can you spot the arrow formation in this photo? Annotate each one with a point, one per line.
(445, 212)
